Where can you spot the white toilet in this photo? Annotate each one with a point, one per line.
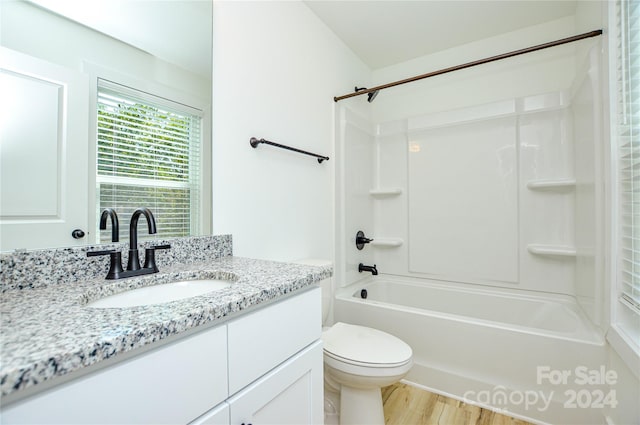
(358, 362)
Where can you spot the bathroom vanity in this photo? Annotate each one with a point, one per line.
(249, 353)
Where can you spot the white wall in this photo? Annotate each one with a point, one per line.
(42, 34)
(276, 70)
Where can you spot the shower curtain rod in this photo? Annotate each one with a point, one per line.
(474, 63)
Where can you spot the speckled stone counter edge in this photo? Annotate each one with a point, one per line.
(49, 332)
(32, 269)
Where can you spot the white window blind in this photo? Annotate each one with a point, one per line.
(628, 140)
(148, 155)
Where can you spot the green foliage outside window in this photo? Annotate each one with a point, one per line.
(147, 157)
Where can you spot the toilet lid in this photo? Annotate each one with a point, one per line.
(365, 345)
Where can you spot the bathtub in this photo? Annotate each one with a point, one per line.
(512, 351)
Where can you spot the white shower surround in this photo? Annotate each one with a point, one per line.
(536, 158)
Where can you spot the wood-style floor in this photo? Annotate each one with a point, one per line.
(408, 405)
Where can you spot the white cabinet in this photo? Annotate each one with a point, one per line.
(265, 338)
(172, 384)
(216, 416)
(287, 395)
(264, 367)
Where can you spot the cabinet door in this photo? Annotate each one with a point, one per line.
(291, 394)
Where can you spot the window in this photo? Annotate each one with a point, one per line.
(148, 155)
(627, 142)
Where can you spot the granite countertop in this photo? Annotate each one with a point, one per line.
(49, 331)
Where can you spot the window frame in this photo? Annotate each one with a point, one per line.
(96, 73)
(623, 342)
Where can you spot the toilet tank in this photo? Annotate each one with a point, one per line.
(325, 286)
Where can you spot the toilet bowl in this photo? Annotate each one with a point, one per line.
(359, 361)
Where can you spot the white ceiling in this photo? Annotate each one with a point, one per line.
(177, 31)
(386, 32)
(380, 32)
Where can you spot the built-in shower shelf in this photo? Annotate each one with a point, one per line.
(387, 242)
(552, 250)
(385, 192)
(550, 185)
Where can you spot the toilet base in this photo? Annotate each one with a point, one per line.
(361, 406)
(331, 404)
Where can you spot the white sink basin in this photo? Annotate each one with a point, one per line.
(163, 293)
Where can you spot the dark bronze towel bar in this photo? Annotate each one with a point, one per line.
(255, 142)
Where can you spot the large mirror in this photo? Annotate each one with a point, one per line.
(54, 48)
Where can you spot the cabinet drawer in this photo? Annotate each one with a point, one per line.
(260, 341)
(141, 390)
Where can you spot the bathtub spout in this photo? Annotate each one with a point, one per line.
(372, 269)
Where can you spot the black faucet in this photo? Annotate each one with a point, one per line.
(133, 263)
(134, 260)
(372, 269)
(115, 225)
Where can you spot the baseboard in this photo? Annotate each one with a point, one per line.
(475, 392)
